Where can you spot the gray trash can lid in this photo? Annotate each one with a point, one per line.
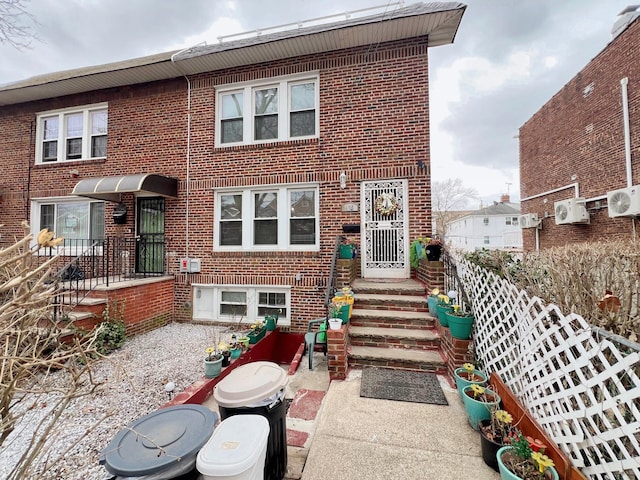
(250, 383)
(159, 440)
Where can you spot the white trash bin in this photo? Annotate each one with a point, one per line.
(237, 449)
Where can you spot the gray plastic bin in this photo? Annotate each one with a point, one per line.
(257, 388)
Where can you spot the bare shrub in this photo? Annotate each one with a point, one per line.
(31, 349)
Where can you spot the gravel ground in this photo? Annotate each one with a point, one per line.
(136, 375)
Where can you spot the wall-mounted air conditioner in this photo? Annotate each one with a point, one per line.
(572, 210)
(529, 220)
(624, 202)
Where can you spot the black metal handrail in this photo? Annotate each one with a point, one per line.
(452, 281)
(332, 280)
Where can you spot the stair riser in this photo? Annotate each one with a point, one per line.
(418, 292)
(424, 367)
(393, 306)
(396, 343)
(422, 324)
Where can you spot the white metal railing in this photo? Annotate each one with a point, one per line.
(580, 383)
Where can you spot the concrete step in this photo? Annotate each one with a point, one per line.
(424, 360)
(388, 287)
(403, 338)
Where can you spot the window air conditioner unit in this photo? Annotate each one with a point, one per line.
(624, 202)
(529, 220)
(573, 210)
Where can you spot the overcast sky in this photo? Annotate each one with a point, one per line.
(509, 57)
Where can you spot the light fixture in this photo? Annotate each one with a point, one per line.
(343, 180)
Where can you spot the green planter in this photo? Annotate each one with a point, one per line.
(462, 379)
(346, 251)
(271, 321)
(479, 410)
(212, 368)
(255, 337)
(432, 301)
(506, 474)
(441, 309)
(236, 352)
(460, 327)
(344, 314)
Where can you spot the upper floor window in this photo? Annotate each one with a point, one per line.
(276, 218)
(72, 134)
(275, 110)
(486, 220)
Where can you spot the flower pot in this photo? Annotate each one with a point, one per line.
(441, 309)
(212, 368)
(244, 341)
(505, 474)
(346, 251)
(226, 358)
(460, 327)
(489, 447)
(335, 323)
(462, 379)
(432, 301)
(271, 321)
(433, 252)
(478, 410)
(255, 337)
(236, 352)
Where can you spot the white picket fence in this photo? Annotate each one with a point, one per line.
(580, 383)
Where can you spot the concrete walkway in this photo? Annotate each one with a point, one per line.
(370, 439)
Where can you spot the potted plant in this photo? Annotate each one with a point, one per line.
(520, 461)
(212, 363)
(493, 435)
(224, 349)
(478, 402)
(257, 332)
(460, 322)
(417, 251)
(433, 248)
(339, 308)
(347, 249)
(271, 321)
(432, 301)
(467, 375)
(442, 307)
(335, 322)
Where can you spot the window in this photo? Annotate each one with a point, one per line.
(507, 221)
(240, 304)
(71, 219)
(276, 218)
(277, 110)
(486, 240)
(486, 220)
(514, 221)
(68, 135)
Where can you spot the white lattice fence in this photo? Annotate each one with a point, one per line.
(582, 388)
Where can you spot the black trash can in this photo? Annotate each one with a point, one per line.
(161, 445)
(257, 388)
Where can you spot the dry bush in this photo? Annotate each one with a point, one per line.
(31, 349)
(576, 277)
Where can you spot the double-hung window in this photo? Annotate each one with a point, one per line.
(78, 222)
(281, 217)
(274, 110)
(72, 134)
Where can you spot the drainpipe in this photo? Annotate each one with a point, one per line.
(627, 137)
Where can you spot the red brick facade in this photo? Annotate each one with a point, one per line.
(578, 137)
(374, 117)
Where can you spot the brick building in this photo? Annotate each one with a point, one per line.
(579, 153)
(248, 158)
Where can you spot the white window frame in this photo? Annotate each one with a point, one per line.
(283, 195)
(207, 299)
(36, 205)
(87, 135)
(283, 84)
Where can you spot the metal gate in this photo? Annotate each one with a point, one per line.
(385, 241)
(150, 245)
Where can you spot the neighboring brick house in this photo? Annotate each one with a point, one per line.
(574, 147)
(249, 156)
(492, 227)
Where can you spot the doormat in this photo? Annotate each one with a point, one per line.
(401, 385)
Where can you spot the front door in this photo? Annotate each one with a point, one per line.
(150, 245)
(385, 238)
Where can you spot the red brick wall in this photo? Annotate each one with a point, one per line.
(575, 134)
(374, 124)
